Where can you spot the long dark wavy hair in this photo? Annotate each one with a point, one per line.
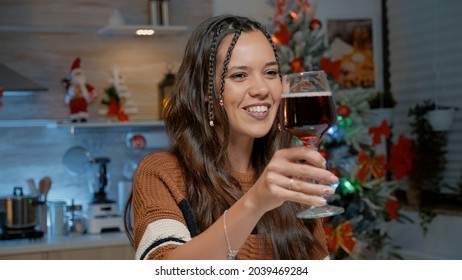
(201, 148)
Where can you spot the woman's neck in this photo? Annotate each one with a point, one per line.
(239, 155)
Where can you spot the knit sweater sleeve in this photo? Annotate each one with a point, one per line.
(160, 212)
(320, 236)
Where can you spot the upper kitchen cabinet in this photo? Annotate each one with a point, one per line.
(53, 35)
(159, 23)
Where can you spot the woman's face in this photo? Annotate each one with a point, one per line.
(252, 89)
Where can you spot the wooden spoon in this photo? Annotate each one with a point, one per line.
(44, 186)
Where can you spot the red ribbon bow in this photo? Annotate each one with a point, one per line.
(370, 165)
(377, 131)
(340, 237)
(331, 67)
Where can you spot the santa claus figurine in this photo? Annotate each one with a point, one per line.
(79, 93)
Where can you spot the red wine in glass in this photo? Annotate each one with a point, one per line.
(308, 111)
(309, 115)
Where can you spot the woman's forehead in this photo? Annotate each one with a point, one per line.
(247, 45)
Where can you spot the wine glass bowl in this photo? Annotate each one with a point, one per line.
(308, 111)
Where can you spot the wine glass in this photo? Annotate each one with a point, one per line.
(308, 111)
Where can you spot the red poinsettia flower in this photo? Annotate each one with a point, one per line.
(401, 157)
(340, 237)
(378, 131)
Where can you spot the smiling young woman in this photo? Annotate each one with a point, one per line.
(226, 187)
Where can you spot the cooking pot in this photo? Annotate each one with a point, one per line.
(19, 210)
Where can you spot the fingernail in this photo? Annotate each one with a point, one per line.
(333, 179)
(329, 191)
(320, 201)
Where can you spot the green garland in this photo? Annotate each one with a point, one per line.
(429, 160)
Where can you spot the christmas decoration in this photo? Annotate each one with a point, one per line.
(315, 23)
(343, 111)
(79, 93)
(117, 98)
(429, 150)
(331, 68)
(340, 237)
(297, 34)
(378, 131)
(350, 147)
(364, 191)
(165, 90)
(401, 158)
(114, 103)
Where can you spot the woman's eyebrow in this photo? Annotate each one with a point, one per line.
(243, 67)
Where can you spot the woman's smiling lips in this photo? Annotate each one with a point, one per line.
(258, 111)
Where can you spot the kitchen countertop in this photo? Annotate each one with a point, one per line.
(61, 243)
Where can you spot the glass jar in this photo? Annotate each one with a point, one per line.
(75, 219)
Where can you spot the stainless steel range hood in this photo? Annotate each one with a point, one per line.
(15, 84)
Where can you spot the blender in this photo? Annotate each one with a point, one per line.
(102, 213)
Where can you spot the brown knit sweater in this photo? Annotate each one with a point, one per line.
(163, 219)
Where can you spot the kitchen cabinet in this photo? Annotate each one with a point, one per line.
(109, 253)
(37, 256)
(124, 252)
(108, 246)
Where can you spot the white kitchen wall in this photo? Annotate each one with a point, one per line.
(35, 152)
(259, 10)
(52, 34)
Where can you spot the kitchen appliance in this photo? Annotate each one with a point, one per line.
(102, 214)
(18, 216)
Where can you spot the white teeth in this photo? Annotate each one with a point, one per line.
(257, 109)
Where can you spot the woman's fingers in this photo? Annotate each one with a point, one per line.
(305, 155)
(296, 174)
(287, 162)
(301, 191)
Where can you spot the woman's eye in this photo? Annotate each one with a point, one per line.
(238, 76)
(272, 73)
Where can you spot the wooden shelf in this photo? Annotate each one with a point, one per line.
(94, 123)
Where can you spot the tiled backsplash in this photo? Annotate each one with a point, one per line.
(35, 152)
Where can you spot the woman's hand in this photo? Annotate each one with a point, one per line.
(296, 174)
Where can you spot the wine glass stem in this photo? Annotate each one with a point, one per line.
(312, 143)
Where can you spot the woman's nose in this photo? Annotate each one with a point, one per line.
(259, 87)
